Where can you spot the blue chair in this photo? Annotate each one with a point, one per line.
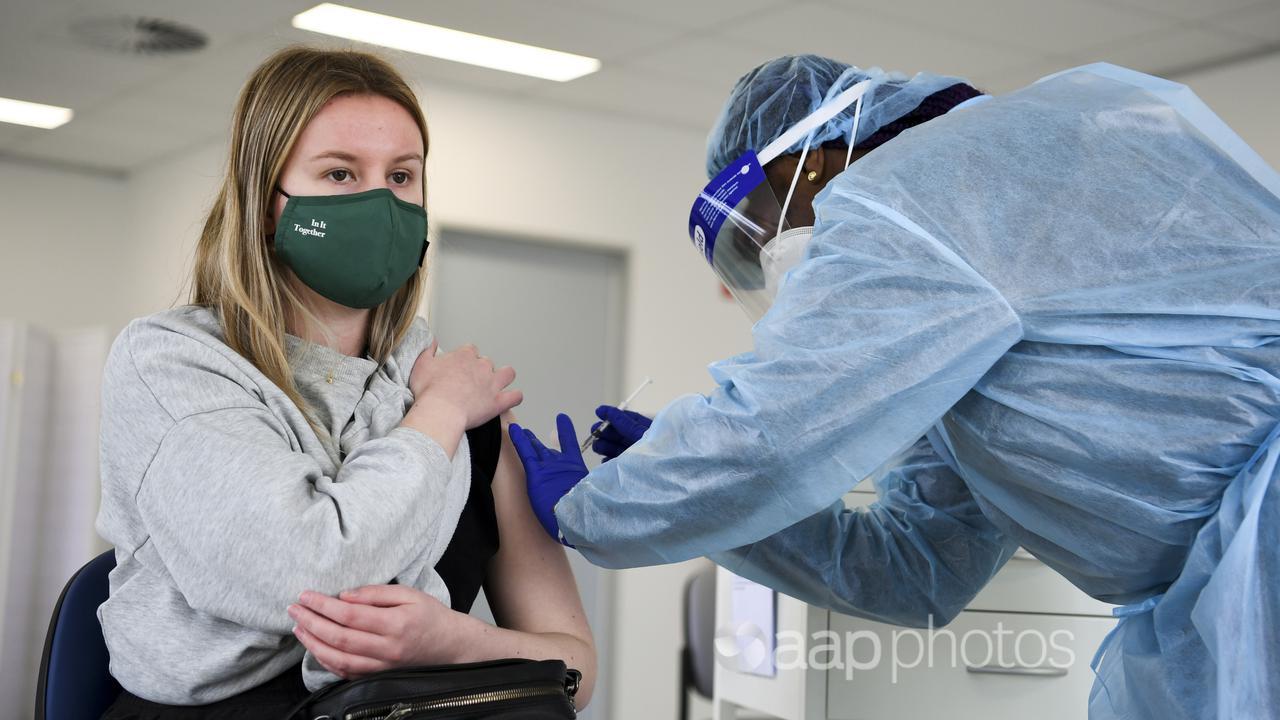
(74, 683)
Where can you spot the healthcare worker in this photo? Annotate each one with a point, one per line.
(1046, 319)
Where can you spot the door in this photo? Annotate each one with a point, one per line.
(555, 314)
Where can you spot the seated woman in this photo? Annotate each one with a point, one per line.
(293, 434)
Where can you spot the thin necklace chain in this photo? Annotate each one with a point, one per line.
(342, 357)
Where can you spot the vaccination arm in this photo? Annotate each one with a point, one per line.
(915, 557)
(871, 340)
(528, 583)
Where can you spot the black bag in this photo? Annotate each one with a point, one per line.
(495, 690)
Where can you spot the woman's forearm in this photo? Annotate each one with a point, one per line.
(439, 421)
(477, 641)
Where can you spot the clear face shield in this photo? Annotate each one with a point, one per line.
(737, 223)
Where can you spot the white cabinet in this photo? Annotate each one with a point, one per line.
(1021, 649)
(983, 665)
(1025, 584)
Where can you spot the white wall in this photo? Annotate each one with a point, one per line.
(1247, 96)
(66, 253)
(167, 206)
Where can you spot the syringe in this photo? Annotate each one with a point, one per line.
(595, 434)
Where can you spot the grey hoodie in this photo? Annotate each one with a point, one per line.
(223, 504)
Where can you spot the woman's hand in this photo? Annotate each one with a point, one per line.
(464, 382)
(455, 392)
(375, 628)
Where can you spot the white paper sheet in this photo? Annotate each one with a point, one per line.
(754, 616)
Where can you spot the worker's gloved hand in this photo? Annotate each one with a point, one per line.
(625, 429)
(549, 474)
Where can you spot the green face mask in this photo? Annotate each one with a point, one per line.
(357, 250)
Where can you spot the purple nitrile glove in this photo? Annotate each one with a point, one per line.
(549, 474)
(625, 429)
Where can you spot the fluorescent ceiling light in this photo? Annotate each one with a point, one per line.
(21, 112)
(455, 45)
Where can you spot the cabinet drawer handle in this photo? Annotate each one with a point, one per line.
(1038, 671)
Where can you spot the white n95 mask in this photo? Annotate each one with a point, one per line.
(780, 255)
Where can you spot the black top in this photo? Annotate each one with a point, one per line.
(475, 541)
(462, 567)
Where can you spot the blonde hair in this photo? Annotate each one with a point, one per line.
(235, 272)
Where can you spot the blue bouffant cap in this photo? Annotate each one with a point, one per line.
(767, 101)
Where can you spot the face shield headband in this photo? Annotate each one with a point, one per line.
(737, 214)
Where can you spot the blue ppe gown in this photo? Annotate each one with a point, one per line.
(1048, 320)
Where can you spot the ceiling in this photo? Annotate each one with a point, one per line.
(664, 61)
